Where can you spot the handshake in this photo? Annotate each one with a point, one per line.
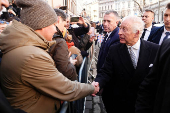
(96, 88)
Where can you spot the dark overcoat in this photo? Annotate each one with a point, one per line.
(154, 92)
(119, 79)
(112, 39)
(156, 34)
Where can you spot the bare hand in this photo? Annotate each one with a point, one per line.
(69, 54)
(81, 20)
(96, 86)
(11, 11)
(73, 61)
(91, 39)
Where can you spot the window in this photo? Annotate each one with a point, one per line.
(128, 4)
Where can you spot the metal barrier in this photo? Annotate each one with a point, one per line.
(77, 106)
(83, 78)
(64, 107)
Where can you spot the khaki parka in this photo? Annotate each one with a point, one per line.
(29, 78)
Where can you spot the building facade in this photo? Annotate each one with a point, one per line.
(71, 5)
(123, 7)
(158, 7)
(92, 11)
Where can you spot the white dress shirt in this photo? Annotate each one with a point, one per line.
(147, 33)
(136, 50)
(163, 35)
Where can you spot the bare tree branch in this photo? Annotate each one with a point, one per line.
(138, 5)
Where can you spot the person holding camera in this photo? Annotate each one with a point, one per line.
(75, 32)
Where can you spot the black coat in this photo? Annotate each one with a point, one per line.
(112, 39)
(75, 32)
(156, 34)
(154, 93)
(5, 106)
(120, 80)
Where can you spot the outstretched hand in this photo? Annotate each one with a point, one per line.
(96, 88)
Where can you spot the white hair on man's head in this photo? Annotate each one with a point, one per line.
(136, 23)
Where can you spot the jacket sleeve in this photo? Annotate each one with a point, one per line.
(81, 30)
(41, 74)
(105, 73)
(62, 61)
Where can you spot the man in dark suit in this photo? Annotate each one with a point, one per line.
(110, 22)
(154, 92)
(147, 17)
(125, 67)
(159, 34)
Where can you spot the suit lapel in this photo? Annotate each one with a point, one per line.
(125, 59)
(158, 37)
(143, 56)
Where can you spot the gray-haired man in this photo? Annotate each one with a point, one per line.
(125, 67)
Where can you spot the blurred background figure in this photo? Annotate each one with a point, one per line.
(3, 25)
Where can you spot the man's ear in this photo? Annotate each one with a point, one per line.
(137, 33)
(117, 22)
(59, 19)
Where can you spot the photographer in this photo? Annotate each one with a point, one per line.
(75, 32)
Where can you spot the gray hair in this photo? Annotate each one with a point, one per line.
(61, 13)
(136, 23)
(113, 12)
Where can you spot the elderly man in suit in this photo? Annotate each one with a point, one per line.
(110, 21)
(160, 34)
(125, 67)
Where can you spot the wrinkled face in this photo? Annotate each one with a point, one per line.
(48, 32)
(4, 3)
(167, 19)
(109, 22)
(126, 34)
(60, 24)
(67, 23)
(148, 18)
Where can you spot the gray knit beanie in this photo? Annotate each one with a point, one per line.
(36, 14)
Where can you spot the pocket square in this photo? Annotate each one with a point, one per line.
(151, 65)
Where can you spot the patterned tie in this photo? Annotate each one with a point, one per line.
(104, 41)
(105, 38)
(167, 34)
(133, 57)
(143, 34)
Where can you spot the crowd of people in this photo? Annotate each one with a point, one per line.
(38, 48)
(42, 51)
